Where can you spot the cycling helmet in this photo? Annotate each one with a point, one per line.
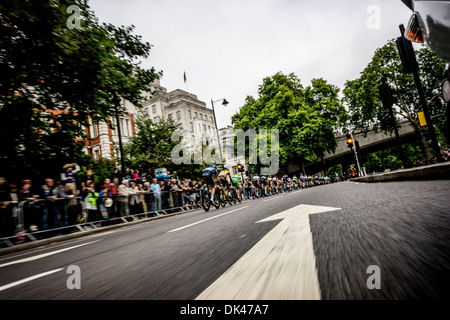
(213, 166)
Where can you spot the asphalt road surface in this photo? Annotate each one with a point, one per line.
(318, 243)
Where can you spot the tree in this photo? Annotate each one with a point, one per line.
(152, 146)
(54, 78)
(361, 95)
(305, 117)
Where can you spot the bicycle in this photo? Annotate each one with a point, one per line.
(205, 199)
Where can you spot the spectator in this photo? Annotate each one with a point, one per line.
(148, 197)
(88, 176)
(30, 211)
(156, 189)
(69, 171)
(118, 174)
(48, 196)
(122, 199)
(165, 196)
(91, 201)
(114, 190)
(105, 202)
(72, 205)
(134, 200)
(6, 218)
(177, 193)
(136, 177)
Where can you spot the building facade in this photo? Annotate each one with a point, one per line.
(192, 116)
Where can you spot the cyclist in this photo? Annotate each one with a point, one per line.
(284, 182)
(237, 180)
(274, 185)
(225, 178)
(256, 184)
(210, 176)
(263, 186)
(294, 180)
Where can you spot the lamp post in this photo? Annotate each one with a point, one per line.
(116, 107)
(354, 151)
(224, 103)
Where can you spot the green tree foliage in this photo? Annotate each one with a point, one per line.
(306, 118)
(76, 73)
(361, 95)
(152, 146)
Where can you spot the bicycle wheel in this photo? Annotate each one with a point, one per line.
(205, 202)
(223, 198)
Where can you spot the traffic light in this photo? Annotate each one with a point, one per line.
(240, 167)
(388, 95)
(349, 140)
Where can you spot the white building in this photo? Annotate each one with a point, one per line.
(191, 114)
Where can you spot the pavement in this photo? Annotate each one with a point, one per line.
(438, 171)
(316, 243)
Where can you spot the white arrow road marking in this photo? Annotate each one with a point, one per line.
(204, 220)
(40, 256)
(281, 266)
(40, 275)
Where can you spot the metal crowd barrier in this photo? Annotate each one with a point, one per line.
(34, 220)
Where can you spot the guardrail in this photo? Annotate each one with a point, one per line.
(38, 219)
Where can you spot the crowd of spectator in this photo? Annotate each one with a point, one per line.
(29, 206)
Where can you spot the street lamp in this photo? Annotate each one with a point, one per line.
(116, 109)
(224, 103)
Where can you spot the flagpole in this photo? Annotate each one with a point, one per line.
(187, 84)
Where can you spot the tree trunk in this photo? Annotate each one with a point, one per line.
(424, 143)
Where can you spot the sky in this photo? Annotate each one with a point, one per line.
(228, 47)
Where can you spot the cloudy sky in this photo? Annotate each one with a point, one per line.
(227, 47)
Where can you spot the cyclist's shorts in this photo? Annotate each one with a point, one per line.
(236, 183)
(209, 181)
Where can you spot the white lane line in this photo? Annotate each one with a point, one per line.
(201, 221)
(40, 256)
(40, 275)
(272, 199)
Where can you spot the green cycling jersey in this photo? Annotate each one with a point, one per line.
(236, 179)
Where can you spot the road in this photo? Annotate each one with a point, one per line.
(315, 243)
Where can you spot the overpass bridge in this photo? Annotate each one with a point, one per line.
(370, 142)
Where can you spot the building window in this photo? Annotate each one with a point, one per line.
(180, 126)
(154, 108)
(206, 117)
(199, 127)
(204, 128)
(121, 127)
(212, 120)
(201, 116)
(95, 129)
(170, 117)
(178, 115)
(155, 120)
(195, 115)
(127, 121)
(146, 111)
(189, 114)
(191, 127)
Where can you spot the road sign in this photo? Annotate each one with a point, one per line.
(422, 119)
(161, 173)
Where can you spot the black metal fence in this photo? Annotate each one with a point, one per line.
(33, 220)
